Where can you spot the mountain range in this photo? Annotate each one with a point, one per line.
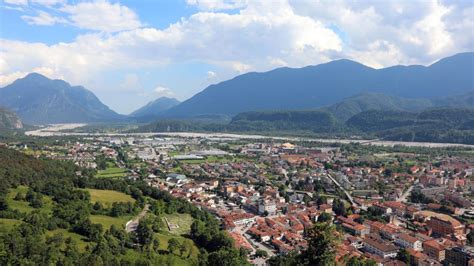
(325, 84)
(342, 88)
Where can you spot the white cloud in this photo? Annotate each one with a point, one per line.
(16, 2)
(418, 31)
(48, 2)
(163, 91)
(218, 4)
(260, 36)
(211, 75)
(43, 19)
(102, 16)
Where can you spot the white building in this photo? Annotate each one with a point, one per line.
(407, 241)
(267, 206)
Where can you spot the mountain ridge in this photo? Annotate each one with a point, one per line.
(155, 107)
(316, 86)
(40, 100)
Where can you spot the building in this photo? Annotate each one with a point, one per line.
(445, 227)
(434, 249)
(176, 178)
(406, 241)
(380, 247)
(459, 256)
(267, 207)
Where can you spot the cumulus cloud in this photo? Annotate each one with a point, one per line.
(260, 36)
(102, 16)
(99, 15)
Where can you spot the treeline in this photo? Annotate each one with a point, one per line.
(28, 243)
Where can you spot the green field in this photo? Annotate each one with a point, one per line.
(80, 240)
(24, 206)
(107, 197)
(164, 237)
(108, 221)
(112, 172)
(183, 220)
(208, 159)
(8, 224)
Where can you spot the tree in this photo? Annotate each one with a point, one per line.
(470, 238)
(324, 217)
(322, 243)
(182, 249)
(404, 256)
(173, 245)
(3, 203)
(156, 245)
(261, 253)
(359, 261)
(144, 232)
(338, 207)
(227, 257)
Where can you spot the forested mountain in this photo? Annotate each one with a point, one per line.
(351, 106)
(322, 85)
(39, 100)
(455, 125)
(154, 108)
(9, 120)
(316, 121)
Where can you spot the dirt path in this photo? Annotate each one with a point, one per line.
(132, 225)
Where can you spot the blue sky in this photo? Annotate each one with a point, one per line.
(131, 52)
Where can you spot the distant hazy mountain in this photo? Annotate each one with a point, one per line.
(322, 85)
(156, 107)
(9, 120)
(39, 100)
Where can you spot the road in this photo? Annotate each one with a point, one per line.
(132, 225)
(403, 198)
(259, 245)
(349, 197)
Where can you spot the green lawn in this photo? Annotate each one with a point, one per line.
(183, 220)
(107, 221)
(107, 197)
(81, 241)
(8, 224)
(208, 159)
(164, 237)
(112, 172)
(24, 206)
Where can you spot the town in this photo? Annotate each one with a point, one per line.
(391, 205)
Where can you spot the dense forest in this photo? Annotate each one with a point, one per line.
(30, 241)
